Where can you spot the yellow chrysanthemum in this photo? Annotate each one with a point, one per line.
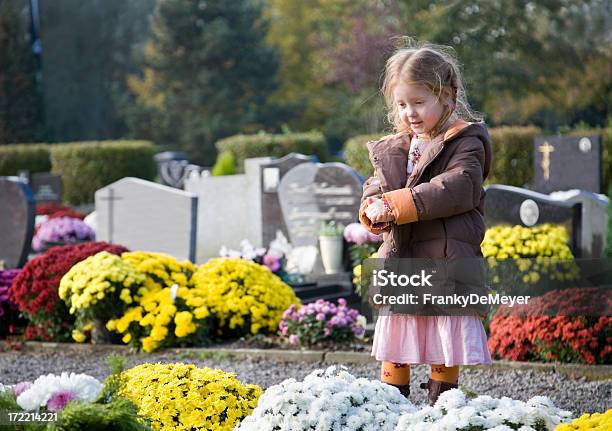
(593, 422)
(184, 397)
(236, 291)
(78, 336)
(538, 250)
(166, 293)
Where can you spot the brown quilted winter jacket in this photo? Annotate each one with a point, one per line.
(439, 208)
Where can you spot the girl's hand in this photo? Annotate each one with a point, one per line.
(377, 213)
(383, 218)
(375, 208)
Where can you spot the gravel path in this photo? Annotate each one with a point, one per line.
(577, 395)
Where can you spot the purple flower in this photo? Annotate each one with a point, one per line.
(21, 387)
(358, 330)
(342, 302)
(62, 229)
(6, 279)
(59, 400)
(272, 262)
(4, 293)
(320, 316)
(293, 339)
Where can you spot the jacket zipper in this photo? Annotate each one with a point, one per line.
(445, 239)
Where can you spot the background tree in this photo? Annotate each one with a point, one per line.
(21, 117)
(207, 73)
(525, 62)
(86, 53)
(332, 54)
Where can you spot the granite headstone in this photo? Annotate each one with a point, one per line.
(312, 193)
(271, 175)
(17, 213)
(230, 209)
(143, 215)
(517, 206)
(564, 163)
(47, 187)
(594, 227)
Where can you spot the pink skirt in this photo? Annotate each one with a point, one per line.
(448, 340)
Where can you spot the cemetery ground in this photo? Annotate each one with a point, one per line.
(577, 394)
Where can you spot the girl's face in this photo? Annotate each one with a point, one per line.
(418, 107)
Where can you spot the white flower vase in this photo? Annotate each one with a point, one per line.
(331, 253)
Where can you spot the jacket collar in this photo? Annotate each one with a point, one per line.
(433, 149)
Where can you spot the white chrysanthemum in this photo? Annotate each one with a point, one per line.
(453, 411)
(83, 386)
(484, 403)
(330, 399)
(502, 428)
(451, 399)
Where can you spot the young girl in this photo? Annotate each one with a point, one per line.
(427, 199)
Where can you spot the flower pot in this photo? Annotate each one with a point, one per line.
(101, 335)
(331, 253)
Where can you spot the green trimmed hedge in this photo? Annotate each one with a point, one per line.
(270, 145)
(30, 157)
(512, 155)
(356, 153)
(87, 166)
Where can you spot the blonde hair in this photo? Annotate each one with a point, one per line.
(436, 68)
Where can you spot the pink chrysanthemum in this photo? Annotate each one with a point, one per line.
(21, 387)
(59, 400)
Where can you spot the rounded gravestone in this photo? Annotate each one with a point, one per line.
(312, 193)
(17, 212)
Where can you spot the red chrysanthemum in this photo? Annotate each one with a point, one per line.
(558, 326)
(67, 213)
(35, 289)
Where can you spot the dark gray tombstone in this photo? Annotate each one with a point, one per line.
(47, 187)
(312, 193)
(270, 176)
(517, 206)
(17, 213)
(173, 168)
(564, 163)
